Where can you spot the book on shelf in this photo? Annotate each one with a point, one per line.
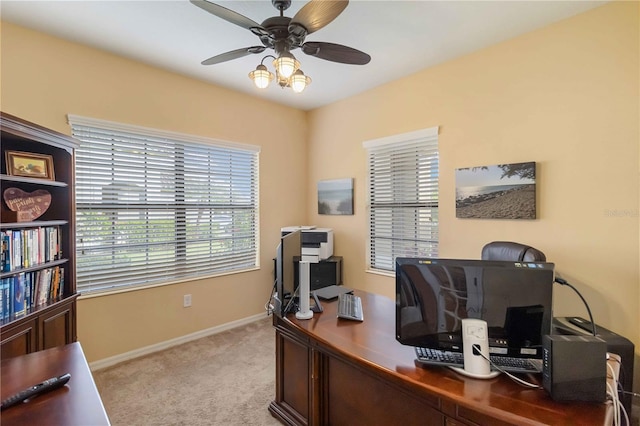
(5, 261)
(55, 283)
(61, 282)
(17, 296)
(44, 285)
(16, 250)
(27, 291)
(5, 295)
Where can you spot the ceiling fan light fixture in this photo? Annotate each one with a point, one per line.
(283, 34)
(299, 81)
(286, 64)
(261, 76)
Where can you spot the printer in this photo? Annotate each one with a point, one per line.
(317, 243)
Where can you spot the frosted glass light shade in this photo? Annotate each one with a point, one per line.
(299, 81)
(286, 64)
(261, 76)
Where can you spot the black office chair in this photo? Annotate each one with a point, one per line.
(516, 252)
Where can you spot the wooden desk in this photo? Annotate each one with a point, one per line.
(77, 403)
(338, 372)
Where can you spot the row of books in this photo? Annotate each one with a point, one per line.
(23, 248)
(22, 292)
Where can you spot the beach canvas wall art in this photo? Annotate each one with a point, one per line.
(335, 197)
(503, 191)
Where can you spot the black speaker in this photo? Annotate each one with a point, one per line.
(322, 274)
(574, 368)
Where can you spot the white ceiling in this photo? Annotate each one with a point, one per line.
(402, 37)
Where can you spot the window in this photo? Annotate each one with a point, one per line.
(402, 197)
(156, 207)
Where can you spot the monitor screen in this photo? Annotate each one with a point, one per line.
(289, 248)
(514, 298)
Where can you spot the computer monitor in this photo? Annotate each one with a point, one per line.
(514, 298)
(290, 247)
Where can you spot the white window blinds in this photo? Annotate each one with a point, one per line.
(402, 197)
(156, 207)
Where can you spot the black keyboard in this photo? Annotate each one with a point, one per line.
(426, 356)
(350, 307)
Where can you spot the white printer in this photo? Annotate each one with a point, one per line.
(317, 243)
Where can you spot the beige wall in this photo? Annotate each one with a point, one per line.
(44, 79)
(566, 97)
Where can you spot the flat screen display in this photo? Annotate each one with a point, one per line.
(514, 298)
(289, 248)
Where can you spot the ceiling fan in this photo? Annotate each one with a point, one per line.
(284, 34)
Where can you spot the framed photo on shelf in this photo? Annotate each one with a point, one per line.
(29, 164)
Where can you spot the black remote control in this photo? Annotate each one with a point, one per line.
(40, 388)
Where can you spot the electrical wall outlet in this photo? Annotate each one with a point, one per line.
(187, 300)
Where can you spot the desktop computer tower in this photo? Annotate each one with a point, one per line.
(574, 368)
(616, 344)
(321, 274)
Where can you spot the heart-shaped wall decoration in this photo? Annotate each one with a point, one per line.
(29, 205)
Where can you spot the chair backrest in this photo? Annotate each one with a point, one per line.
(516, 252)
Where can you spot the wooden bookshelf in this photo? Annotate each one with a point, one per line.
(53, 322)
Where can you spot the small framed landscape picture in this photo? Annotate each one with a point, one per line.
(335, 197)
(503, 191)
(29, 165)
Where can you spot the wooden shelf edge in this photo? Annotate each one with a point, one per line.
(33, 224)
(34, 268)
(43, 182)
(38, 311)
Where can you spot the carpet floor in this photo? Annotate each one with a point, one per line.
(223, 379)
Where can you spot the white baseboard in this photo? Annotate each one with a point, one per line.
(117, 359)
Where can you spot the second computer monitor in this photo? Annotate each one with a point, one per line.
(290, 247)
(514, 298)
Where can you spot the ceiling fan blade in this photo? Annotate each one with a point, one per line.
(234, 54)
(226, 14)
(318, 13)
(335, 52)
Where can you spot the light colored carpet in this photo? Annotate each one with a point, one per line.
(224, 379)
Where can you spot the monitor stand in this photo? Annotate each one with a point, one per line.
(475, 375)
(317, 307)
